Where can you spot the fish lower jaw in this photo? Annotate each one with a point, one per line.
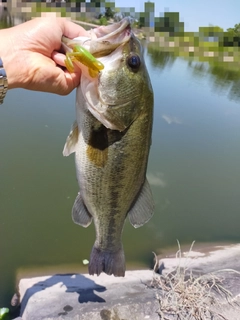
(112, 263)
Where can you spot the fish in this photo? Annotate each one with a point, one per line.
(111, 139)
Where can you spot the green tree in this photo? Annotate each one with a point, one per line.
(232, 36)
(210, 31)
(234, 31)
(109, 13)
(169, 23)
(211, 34)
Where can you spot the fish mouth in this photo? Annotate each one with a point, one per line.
(105, 39)
(102, 40)
(114, 31)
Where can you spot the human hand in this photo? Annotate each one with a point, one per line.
(30, 55)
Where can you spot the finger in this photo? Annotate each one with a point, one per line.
(63, 82)
(66, 84)
(73, 79)
(59, 58)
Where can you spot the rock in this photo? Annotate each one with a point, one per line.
(76, 296)
(139, 296)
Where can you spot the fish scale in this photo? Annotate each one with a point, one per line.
(111, 140)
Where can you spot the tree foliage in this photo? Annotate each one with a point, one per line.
(232, 36)
(210, 31)
(169, 23)
(234, 31)
(109, 13)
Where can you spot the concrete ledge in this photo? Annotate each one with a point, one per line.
(77, 296)
(205, 259)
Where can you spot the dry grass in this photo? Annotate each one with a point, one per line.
(183, 296)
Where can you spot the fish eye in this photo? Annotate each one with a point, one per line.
(133, 61)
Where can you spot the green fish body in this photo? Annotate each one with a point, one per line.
(111, 139)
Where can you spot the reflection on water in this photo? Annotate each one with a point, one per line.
(222, 76)
(222, 79)
(160, 58)
(193, 170)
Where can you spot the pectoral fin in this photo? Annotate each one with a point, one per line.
(72, 139)
(143, 208)
(80, 214)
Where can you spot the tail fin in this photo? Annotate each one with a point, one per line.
(108, 262)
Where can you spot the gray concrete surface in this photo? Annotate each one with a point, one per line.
(76, 296)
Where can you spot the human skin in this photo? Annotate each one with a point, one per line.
(31, 57)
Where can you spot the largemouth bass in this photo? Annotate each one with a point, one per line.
(111, 139)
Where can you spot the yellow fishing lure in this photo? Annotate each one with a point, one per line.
(85, 57)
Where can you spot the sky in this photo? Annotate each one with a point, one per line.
(194, 14)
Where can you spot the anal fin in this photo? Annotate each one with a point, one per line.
(143, 208)
(80, 214)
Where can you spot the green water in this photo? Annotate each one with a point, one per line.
(193, 169)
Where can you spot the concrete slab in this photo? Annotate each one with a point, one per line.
(80, 296)
(77, 296)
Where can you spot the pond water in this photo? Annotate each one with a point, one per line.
(193, 171)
